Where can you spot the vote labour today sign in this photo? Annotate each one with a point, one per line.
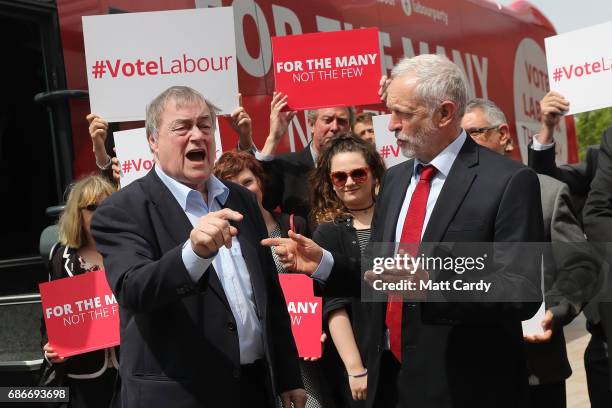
(328, 69)
(133, 57)
(81, 313)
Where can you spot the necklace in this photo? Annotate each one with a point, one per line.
(361, 209)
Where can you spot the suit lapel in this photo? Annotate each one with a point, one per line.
(400, 187)
(456, 186)
(246, 237)
(178, 225)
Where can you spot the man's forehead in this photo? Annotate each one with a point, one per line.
(334, 111)
(190, 109)
(401, 91)
(476, 118)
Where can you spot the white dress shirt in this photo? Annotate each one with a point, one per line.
(229, 264)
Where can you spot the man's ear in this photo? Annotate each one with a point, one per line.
(153, 142)
(446, 113)
(504, 131)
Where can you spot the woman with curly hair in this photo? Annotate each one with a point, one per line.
(343, 195)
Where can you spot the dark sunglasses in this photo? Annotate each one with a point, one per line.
(91, 207)
(360, 175)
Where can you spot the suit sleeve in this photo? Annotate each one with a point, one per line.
(287, 370)
(597, 215)
(575, 265)
(543, 162)
(141, 279)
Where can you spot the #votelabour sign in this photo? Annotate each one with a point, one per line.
(81, 313)
(580, 67)
(328, 69)
(133, 57)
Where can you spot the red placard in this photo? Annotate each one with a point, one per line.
(337, 68)
(305, 313)
(81, 313)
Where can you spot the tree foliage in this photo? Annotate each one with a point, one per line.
(590, 126)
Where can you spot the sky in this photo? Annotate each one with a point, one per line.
(569, 15)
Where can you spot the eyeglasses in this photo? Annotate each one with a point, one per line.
(480, 131)
(339, 178)
(90, 207)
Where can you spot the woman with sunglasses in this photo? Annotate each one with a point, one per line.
(343, 194)
(90, 376)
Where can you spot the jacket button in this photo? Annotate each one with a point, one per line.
(231, 326)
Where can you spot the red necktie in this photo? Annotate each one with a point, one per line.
(411, 233)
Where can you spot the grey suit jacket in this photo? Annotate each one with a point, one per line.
(547, 362)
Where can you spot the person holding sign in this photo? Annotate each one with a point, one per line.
(203, 318)
(98, 130)
(343, 193)
(450, 354)
(287, 173)
(90, 376)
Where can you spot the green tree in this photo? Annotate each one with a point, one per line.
(590, 126)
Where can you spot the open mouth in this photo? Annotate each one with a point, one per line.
(196, 155)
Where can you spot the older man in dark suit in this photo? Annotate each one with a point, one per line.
(203, 318)
(435, 353)
(570, 274)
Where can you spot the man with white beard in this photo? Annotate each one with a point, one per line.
(451, 349)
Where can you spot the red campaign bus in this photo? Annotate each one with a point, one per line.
(43, 132)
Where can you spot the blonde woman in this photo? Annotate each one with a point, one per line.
(90, 376)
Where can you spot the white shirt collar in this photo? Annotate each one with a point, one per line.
(445, 159)
(216, 189)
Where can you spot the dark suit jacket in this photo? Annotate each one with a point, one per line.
(577, 176)
(597, 217)
(569, 275)
(468, 354)
(179, 345)
(287, 182)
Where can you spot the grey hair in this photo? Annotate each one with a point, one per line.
(314, 114)
(491, 111)
(438, 79)
(182, 96)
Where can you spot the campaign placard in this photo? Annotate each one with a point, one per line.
(385, 141)
(81, 313)
(337, 68)
(133, 57)
(135, 156)
(580, 67)
(305, 311)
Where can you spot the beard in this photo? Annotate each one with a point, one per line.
(416, 143)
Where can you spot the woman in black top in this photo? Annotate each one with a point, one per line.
(90, 376)
(344, 187)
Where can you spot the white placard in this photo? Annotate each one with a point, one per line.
(580, 67)
(385, 141)
(534, 325)
(135, 157)
(131, 58)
